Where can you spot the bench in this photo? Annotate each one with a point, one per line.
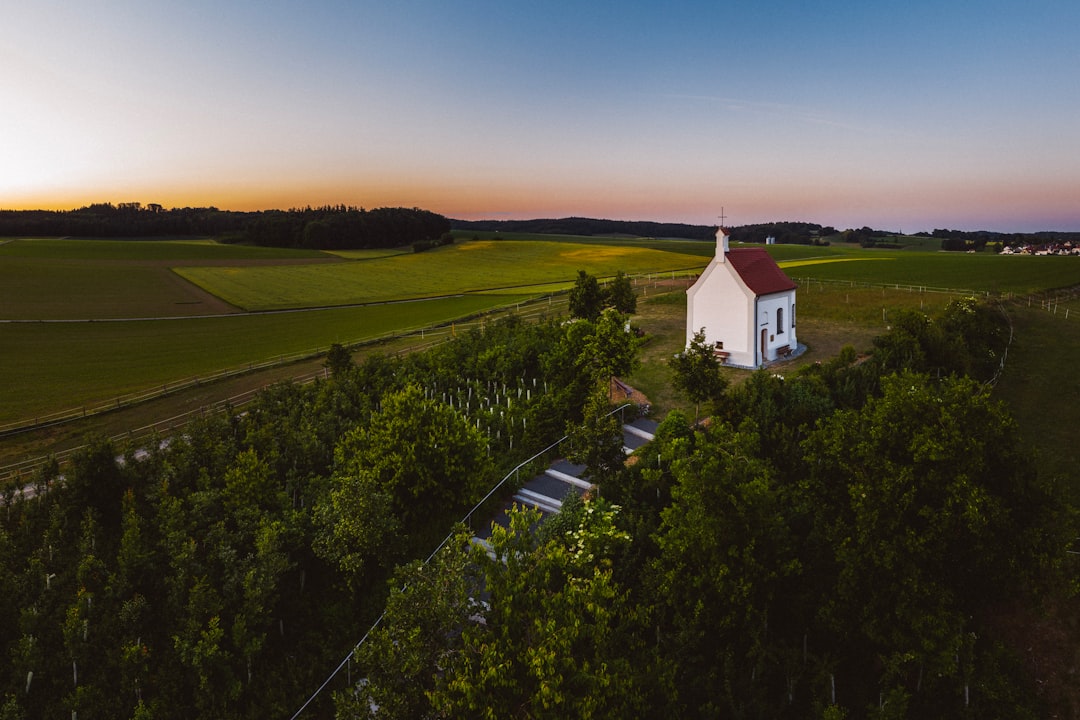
(783, 351)
(624, 387)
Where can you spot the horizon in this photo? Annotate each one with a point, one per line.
(839, 228)
(917, 116)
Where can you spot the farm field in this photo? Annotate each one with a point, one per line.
(464, 267)
(1041, 385)
(54, 367)
(984, 273)
(49, 279)
(51, 367)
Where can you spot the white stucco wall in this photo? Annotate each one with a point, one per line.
(776, 337)
(722, 304)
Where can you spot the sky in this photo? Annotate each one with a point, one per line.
(901, 116)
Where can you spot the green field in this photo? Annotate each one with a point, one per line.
(48, 279)
(460, 268)
(980, 272)
(1042, 387)
(51, 366)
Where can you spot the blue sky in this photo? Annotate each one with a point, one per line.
(900, 116)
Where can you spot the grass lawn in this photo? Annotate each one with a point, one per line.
(52, 249)
(829, 318)
(59, 366)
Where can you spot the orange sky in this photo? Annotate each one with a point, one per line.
(892, 117)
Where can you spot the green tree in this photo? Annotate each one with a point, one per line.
(586, 297)
(726, 557)
(927, 507)
(419, 634)
(697, 374)
(417, 461)
(609, 350)
(558, 636)
(338, 359)
(596, 442)
(620, 294)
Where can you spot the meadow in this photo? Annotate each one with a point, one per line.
(57, 366)
(464, 267)
(52, 279)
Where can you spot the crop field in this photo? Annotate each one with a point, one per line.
(51, 367)
(94, 279)
(460, 268)
(704, 248)
(56, 366)
(1041, 385)
(979, 272)
(370, 254)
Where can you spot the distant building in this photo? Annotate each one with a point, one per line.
(745, 303)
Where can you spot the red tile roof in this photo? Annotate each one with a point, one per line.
(759, 271)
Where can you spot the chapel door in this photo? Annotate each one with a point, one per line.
(764, 340)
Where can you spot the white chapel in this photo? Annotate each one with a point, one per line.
(745, 303)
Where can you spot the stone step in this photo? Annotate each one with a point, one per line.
(575, 481)
(541, 502)
(639, 432)
(484, 544)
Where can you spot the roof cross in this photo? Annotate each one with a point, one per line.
(722, 216)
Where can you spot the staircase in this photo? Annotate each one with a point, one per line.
(547, 490)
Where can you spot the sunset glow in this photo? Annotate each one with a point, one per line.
(905, 116)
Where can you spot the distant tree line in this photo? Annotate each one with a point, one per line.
(590, 226)
(786, 233)
(340, 227)
(124, 220)
(326, 228)
(336, 227)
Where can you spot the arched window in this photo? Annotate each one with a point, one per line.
(779, 321)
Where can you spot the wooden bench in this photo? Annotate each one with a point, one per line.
(624, 387)
(783, 351)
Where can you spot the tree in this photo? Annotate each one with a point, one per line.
(559, 637)
(596, 442)
(415, 462)
(927, 508)
(586, 297)
(338, 360)
(620, 294)
(726, 555)
(697, 373)
(610, 350)
(420, 633)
